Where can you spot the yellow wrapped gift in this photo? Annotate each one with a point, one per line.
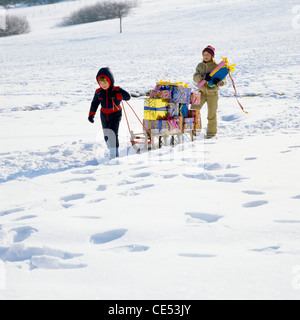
(155, 109)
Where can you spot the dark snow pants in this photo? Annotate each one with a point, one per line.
(110, 124)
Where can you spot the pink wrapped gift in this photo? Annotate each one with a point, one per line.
(160, 94)
(197, 118)
(195, 98)
(175, 125)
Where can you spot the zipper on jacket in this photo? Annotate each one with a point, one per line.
(107, 104)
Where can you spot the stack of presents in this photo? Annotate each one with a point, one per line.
(167, 111)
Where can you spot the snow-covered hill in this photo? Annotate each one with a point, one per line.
(205, 220)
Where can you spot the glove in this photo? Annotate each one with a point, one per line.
(216, 81)
(207, 77)
(91, 119)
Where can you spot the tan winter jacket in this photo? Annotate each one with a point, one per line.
(201, 70)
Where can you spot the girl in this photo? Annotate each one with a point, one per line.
(209, 95)
(110, 98)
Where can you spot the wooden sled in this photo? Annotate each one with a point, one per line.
(150, 140)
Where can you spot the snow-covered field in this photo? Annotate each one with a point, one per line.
(213, 219)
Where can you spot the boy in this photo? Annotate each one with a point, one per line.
(110, 98)
(209, 95)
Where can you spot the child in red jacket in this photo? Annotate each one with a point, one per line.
(110, 98)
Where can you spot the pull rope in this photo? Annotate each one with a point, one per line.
(128, 125)
(126, 118)
(236, 94)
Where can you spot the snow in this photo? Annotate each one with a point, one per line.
(214, 219)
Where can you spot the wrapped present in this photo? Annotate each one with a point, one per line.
(156, 126)
(181, 95)
(163, 87)
(173, 110)
(197, 118)
(160, 127)
(149, 124)
(160, 94)
(175, 125)
(195, 98)
(188, 124)
(172, 84)
(183, 109)
(155, 109)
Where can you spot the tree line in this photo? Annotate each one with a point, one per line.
(100, 11)
(6, 3)
(105, 10)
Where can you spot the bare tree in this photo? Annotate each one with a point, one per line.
(123, 9)
(14, 25)
(100, 11)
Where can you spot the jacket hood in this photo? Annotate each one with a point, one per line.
(107, 74)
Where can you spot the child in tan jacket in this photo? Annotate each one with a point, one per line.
(209, 95)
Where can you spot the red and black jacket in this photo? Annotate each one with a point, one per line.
(109, 99)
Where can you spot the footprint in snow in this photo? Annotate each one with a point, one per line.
(203, 217)
(200, 176)
(250, 158)
(108, 236)
(44, 258)
(84, 180)
(254, 193)
(130, 248)
(169, 176)
(141, 175)
(102, 188)
(213, 166)
(146, 186)
(268, 250)
(254, 204)
(52, 263)
(295, 197)
(72, 197)
(129, 193)
(196, 255)
(287, 221)
(22, 233)
(87, 217)
(97, 200)
(229, 177)
(126, 182)
(7, 212)
(26, 217)
(84, 171)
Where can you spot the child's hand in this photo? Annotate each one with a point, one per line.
(91, 119)
(216, 81)
(206, 77)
